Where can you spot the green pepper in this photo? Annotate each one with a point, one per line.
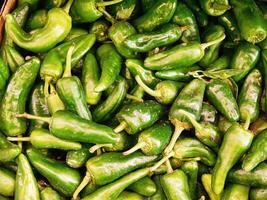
(125, 10)
(145, 42)
(98, 168)
(147, 4)
(258, 194)
(74, 33)
(71, 92)
(257, 152)
(153, 140)
(183, 16)
(208, 113)
(13, 58)
(84, 11)
(57, 27)
(100, 29)
(236, 142)
(160, 13)
(234, 191)
(190, 168)
(206, 181)
(211, 33)
(215, 7)
(55, 172)
(42, 139)
(8, 150)
(220, 63)
(4, 76)
(250, 20)
(228, 21)
(77, 158)
(26, 184)
(32, 3)
(48, 4)
(245, 58)
(54, 103)
(130, 196)
(221, 97)
(110, 63)
(14, 100)
(175, 185)
(138, 116)
(189, 100)
(106, 110)
(67, 125)
(159, 195)
(7, 182)
(38, 106)
(182, 55)
(249, 97)
(144, 186)
(118, 32)
(37, 20)
(179, 74)
(264, 64)
(49, 194)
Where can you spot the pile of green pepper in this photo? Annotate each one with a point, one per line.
(134, 100)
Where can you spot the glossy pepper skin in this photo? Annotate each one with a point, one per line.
(14, 100)
(12, 57)
(49, 194)
(236, 142)
(8, 150)
(258, 193)
(110, 63)
(249, 97)
(55, 172)
(75, 32)
(250, 20)
(7, 182)
(244, 58)
(236, 191)
(57, 27)
(175, 185)
(100, 29)
(38, 106)
(221, 97)
(214, 8)
(257, 152)
(160, 13)
(4, 76)
(144, 186)
(139, 116)
(26, 184)
(221, 63)
(37, 20)
(183, 16)
(145, 42)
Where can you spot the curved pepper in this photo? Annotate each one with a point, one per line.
(250, 20)
(257, 152)
(110, 63)
(57, 27)
(160, 13)
(14, 100)
(153, 140)
(236, 142)
(144, 186)
(8, 150)
(236, 191)
(37, 20)
(182, 55)
(258, 193)
(7, 182)
(100, 29)
(55, 172)
(137, 116)
(49, 194)
(215, 7)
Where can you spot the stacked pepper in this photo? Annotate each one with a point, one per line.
(134, 100)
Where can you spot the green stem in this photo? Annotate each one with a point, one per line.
(247, 122)
(132, 97)
(169, 167)
(19, 139)
(146, 88)
(206, 45)
(178, 130)
(163, 160)
(107, 3)
(68, 6)
(99, 146)
(134, 148)
(196, 125)
(107, 15)
(67, 71)
(82, 185)
(120, 127)
(29, 116)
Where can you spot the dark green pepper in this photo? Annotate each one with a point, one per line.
(159, 195)
(264, 64)
(7, 182)
(100, 29)
(37, 20)
(234, 191)
(125, 10)
(8, 150)
(48, 4)
(14, 100)
(258, 194)
(145, 42)
(137, 116)
(144, 186)
(215, 7)
(160, 13)
(147, 4)
(250, 20)
(49, 194)
(220, 63)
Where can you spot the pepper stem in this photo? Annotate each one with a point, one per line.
(99, 146)
(82, 185)
(107, 15)
(132, 97)
(146, 88)
(67, 71)
(107, 3)
(47, 82)
(19, 139)
(163, 160)
(247, 122)
(206, 45)
(29, 116)
(178, 130)
(169, 166)
(196, 125)
(98, 152)
(68, 6)
(120, 127)
(139, 145)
